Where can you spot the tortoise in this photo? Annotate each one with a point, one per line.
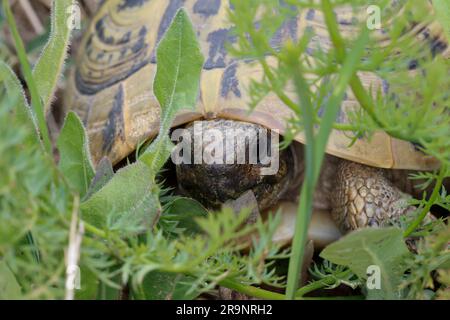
(111, 90)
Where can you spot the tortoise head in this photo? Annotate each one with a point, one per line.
(219, 160)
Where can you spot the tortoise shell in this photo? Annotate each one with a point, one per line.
(111, 86)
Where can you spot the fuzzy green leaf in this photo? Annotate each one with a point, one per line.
(442, 8)
(179, 62)
(103, 174)
(11, 83)
(128, 202)
(158, 152)
(176, 84)
(384, 248)
(166, 286)
(75, 161)
(185, 211)
(48, 69)
(9, 288)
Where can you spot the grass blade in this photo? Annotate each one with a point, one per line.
(442, 8)
(31, 83)
(320, 141)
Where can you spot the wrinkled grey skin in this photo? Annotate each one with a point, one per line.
(216, 183)
(356, 195)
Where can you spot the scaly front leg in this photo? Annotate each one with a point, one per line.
(364, 196)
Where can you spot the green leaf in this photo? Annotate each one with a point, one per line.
(158, 152)
(128, 202)
(110, 289)
(185, 211)
(75, 161)
(9, 288)
(316, 144)
(384, 248)
(443, 262)
(103, 174)
(11, 83)
(166, 286)
(48, 68)
(179, 62)
(176, 84)
(442, 8)
(89, 285)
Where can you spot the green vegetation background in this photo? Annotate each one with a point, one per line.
(48, 208)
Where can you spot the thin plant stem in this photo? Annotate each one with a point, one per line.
(345, 75)
(251, 290)
(361, 95)
(291, 104)
(319, 284)
(305, 207)
(320, 141)
(437, 187)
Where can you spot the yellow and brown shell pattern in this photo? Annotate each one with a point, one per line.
(111, 86)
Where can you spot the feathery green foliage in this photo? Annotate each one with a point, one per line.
(35, 205)
(433, 256)
(135, 234)
(411, 110)
(384, 248)
(124, 211)
(123, 243)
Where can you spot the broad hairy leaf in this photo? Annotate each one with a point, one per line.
(11, 83)
(9, 288)
(48, 68)
(75, 161)
(185, 211)
(179, 63)
(384, 248)
(158, 152)
(165, 286)
(103, 174)
(128, 202)
(442, 8)
(176, 84)
(9, 80)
